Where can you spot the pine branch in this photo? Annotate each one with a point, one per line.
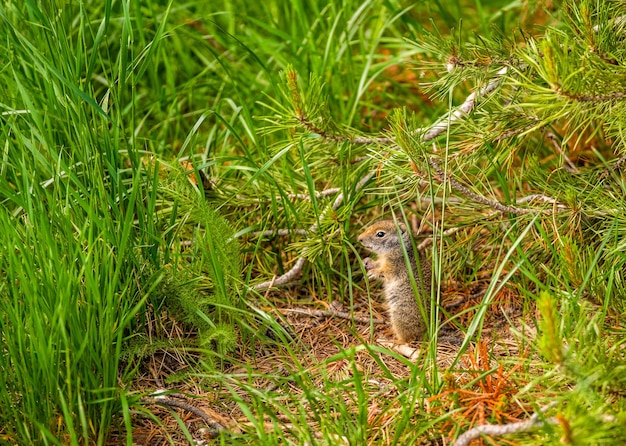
(480, 199)
(593, 98)
(437, 129)
(434, 131)
(306, 122)
(518, 131)
(297, 268)
(304, 119)
(441, 126)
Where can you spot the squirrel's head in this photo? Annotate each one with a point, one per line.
(385, 236)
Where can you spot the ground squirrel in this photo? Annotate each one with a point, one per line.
(385, 239)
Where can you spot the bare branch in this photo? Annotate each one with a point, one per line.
(480, 199)
(613, 22)
(279, 232)
(307, 197)
(163, 400)
(429, 241)
(540, 197)
(441, 126)
(615, 167)
(285, 278)
(331, 313)
(517, 131)
(497, 430)
(411, 353)
(371, 140)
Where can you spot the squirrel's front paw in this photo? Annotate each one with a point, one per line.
(368, 263)
(373, 268)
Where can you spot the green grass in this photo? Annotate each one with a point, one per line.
(110, 244)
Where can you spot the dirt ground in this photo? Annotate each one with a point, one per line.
(322, 330)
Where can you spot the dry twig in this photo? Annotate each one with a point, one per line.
(429, 241)
(163, 400)
(411, 353)
(285, 278)
(480, 199)
(441, 126)
(307, 197)
(497, 430)
(331, 313)
(279, 232)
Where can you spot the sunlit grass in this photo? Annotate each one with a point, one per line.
(102, 226)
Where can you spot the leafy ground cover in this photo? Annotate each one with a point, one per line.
(182, 186)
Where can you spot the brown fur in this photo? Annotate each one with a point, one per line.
(390, 266)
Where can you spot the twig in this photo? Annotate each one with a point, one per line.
(279, 232)
(163, 400)
(442, 125)
(307, 197)
(369, 140)
(438, 200)
(429, 241)
(462, 299)
(497, 430)
(331, 313)
(362, 182)
(311, 127)
(538, 197)
(613, 168)
(468, 193)
(570, 167)
(514, 132)
(615, 22)
(411, 353)
(285, 278)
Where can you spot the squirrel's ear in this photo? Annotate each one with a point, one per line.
(402, 227)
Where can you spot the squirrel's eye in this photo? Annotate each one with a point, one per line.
(380, 234)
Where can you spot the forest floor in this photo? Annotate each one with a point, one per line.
(320, 332)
